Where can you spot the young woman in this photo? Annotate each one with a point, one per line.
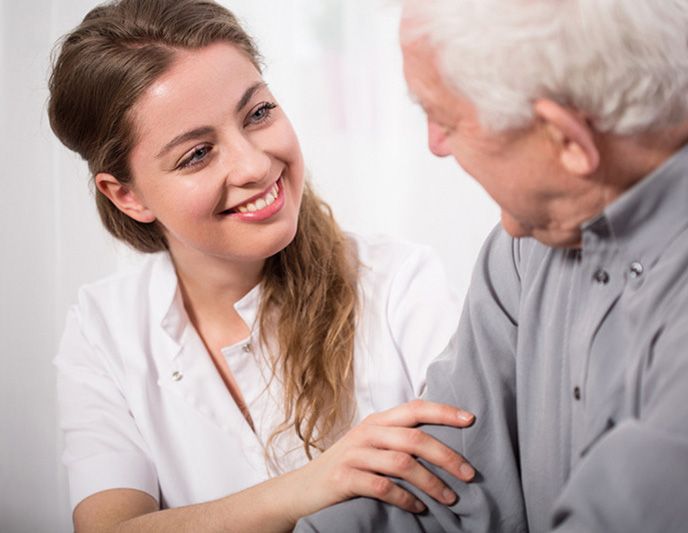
(228, 383)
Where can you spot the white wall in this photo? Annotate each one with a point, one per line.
(335, 66)
(29, 475)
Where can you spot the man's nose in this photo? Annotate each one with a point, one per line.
(437, 140)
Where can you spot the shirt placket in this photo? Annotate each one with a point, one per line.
(600, 283)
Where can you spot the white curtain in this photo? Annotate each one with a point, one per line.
(336, 69)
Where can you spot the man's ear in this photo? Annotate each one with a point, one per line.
(573, 136)
(124, 198)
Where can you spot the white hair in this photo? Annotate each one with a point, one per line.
(623, 63)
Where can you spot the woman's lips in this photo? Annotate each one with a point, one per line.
(260, 207)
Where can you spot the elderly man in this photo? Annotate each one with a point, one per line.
(573, 345)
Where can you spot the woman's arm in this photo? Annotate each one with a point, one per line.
(263, 507)
(384, 443)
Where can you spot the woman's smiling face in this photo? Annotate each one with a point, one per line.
(215, 161)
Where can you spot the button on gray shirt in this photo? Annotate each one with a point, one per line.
(576, 365)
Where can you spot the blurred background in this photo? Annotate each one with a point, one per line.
(335, 67)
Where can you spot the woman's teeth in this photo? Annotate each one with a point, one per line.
(260, 203)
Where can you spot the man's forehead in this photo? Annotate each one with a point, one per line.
(410, 26)
(420, 68)
(427, 87)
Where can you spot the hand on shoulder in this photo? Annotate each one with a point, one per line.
(387, 443)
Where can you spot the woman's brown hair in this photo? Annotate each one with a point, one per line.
(309, 289)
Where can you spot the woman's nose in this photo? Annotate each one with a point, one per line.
(247, 163)
(437, 140)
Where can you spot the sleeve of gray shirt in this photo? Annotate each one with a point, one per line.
(476, 372)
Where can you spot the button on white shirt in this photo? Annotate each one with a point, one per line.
(142, 405)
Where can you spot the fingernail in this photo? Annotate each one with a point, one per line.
(467, 471)
(465, 416)
(449, 496)
(419, 506)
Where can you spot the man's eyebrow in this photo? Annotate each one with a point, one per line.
(248, 94)
(416, 100)
(413, 96)
(184, 137)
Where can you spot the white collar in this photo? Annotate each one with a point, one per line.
(168, 308)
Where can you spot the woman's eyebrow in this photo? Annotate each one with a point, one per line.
(184, 137)
(248, 94)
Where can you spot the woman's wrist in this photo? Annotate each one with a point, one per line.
(297, 490)
(284, 499)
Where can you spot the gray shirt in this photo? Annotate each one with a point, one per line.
(576, 365)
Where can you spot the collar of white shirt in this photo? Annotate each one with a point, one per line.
(168, 309)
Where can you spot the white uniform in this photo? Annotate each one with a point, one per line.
(143, 406)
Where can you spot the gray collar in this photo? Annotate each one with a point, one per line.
(644, 220)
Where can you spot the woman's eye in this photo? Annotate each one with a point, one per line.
(261, 113)
(196, 157)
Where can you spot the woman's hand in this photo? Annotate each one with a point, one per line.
(386, 443)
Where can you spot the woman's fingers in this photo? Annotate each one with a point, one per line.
(382, 431)
(384, 489)
(414, 441)
(404, 466)
(418, 412)
(390, 444)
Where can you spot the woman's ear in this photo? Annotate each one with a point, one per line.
(572, 135)
(124, 197)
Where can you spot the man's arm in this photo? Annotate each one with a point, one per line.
(476, 372)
